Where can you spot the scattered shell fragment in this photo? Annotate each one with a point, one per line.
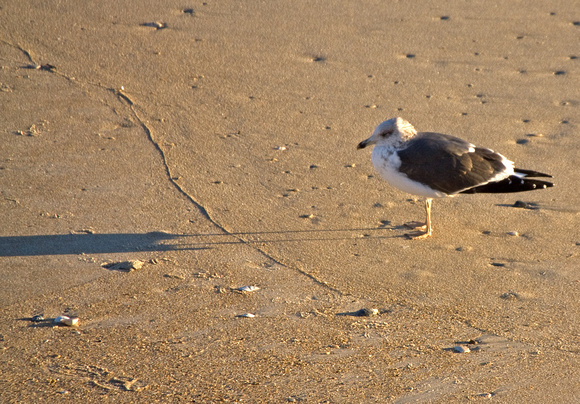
(280, 148)
(366, 312)
(174, 276)
(248, 289)
(155, 24)
(513, 233)
(127, 266)
(66, 320)
(246, 315)
(525, 205)
(37, 318)
(461, 349)
(510, 295)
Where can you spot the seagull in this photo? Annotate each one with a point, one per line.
(435, 165)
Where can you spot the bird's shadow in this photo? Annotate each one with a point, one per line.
(67, 244)
(90, 243)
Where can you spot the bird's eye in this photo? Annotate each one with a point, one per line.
(387, 133)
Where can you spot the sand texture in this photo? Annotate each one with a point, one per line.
(157, 156)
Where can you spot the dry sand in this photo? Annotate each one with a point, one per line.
(215, 141)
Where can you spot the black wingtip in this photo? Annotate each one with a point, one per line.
(509, 185)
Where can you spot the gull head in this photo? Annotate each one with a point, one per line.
(391, 132)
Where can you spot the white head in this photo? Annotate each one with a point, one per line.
(393, 131)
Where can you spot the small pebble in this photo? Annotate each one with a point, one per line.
(127, 266)
(461, 349)
(513, 233)
(526, 205)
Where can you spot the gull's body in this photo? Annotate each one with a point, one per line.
(434, 165)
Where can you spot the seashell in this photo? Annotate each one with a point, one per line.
(369, 312)
(37, 318)
(365, 312)
(246, 315)
(155, 24)
(461, 349)
(66, 320)
(248, 289)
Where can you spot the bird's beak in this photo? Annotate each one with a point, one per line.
(364, 144)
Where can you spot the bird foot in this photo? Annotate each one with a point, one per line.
(416, 225)
(423, 232)
(418, 235)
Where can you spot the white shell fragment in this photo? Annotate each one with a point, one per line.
(246, 315)
(366, 312)
(248, 289)
(66, 320)
(461, 349)
(370, 312)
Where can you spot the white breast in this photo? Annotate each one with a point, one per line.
(387, 163)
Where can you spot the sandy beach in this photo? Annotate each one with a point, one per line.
(213, 144)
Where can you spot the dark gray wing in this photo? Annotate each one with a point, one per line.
(446, 163)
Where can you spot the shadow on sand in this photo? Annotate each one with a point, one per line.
(72, 244)
(64, 244)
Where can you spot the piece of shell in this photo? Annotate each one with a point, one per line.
(37, 318)
(126, 266)
(246, 315)
(155, 24)
(248, 289)
(366, 312)
(370, 312)
(461, 349)
(66, 320)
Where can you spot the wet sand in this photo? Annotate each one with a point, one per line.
(216, 143)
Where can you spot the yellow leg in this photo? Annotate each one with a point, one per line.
(429, 229)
